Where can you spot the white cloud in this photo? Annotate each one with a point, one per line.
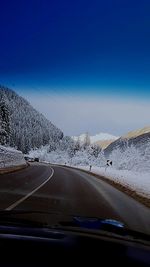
(75, 115)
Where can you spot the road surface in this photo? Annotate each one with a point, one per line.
(70, 191)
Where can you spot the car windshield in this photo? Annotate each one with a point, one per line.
(74, 112)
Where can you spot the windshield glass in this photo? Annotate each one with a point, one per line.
(74, 110)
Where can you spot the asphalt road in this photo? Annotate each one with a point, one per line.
(69, 191)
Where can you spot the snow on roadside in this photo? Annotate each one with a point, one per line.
(131, 168)
(10, 157)
(138, 182)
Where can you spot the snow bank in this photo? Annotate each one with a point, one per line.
(10, 157)
(138, 182)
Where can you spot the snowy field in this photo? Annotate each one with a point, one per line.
(138, 182)
(9, 157)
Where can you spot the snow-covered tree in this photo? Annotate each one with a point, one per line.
(86, 141)
(78, 144)
(100, 161)
(71, 150)
(52, 145)
(94, 150)
(129, 159)
(4, 123)
(65, 143)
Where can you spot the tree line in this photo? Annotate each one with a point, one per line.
(21, 126)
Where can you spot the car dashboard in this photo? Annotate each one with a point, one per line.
(24, 246)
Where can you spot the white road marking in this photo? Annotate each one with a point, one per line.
(31, 193)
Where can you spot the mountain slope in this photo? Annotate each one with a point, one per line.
(104, 143)
(136, 133)
(138, 138)
(28, 128)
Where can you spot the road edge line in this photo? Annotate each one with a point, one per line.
(15, 204)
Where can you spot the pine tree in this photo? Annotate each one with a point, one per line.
(4, 124)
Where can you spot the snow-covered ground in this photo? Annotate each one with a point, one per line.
(10, 157)
(138, 182)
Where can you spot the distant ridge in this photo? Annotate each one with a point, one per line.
(96, 138)
(139, 138)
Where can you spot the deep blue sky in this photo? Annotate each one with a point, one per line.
(76, 45)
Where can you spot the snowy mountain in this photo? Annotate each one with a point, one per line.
(21, 126)
(138, 138)
(95, 138)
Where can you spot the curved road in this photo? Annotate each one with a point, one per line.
(70, 191)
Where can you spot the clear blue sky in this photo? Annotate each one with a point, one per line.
(75, 43)
(90, 47)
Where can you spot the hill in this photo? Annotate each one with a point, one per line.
(138, 138)
(21, 126)
(136, 133)
(104, 143)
